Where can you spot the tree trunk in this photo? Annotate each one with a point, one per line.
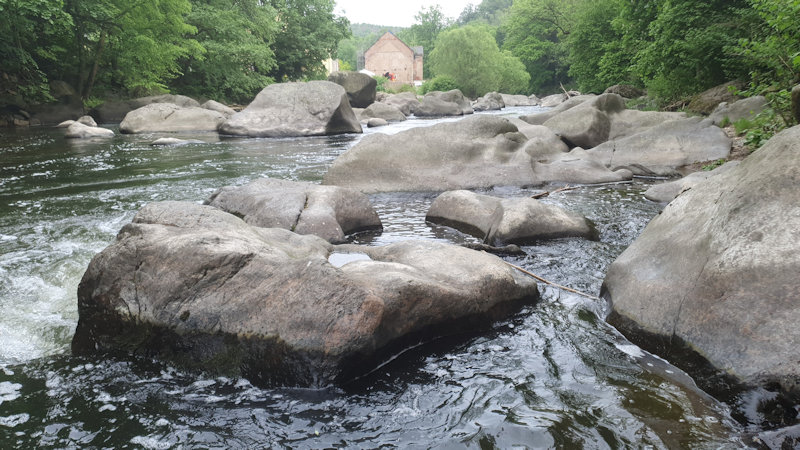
(98, 54)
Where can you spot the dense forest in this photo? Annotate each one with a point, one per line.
(673, 48)
(222, 49)
(229, 49)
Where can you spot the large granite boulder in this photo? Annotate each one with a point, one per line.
(587, 124)
(577, 166)
(329, 212)
(315, 108)
(407, 102)
(115, 111)
(632, 121)
(541, 118)
(666, 192)
(450, 103)
(707, 101)
(625, 90)
(553, 100)
(492, 101)
(213, 105)
(198, 286)
(360, 87)
(519, 100)
(718, 269)
(384, 111)
(504, 221)
(78, 130)
(169, 117)
(746, 108)
(478, 151)
(542, 144)
(662, 149)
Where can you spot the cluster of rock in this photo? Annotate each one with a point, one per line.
(200, 286)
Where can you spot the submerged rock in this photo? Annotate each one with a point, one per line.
(718, 269)
(315, 108)
(502, 221)
(329, 212)
(200, 287)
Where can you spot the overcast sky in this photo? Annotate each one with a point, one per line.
(398, 13)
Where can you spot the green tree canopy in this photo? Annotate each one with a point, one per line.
(430, 22)
(470, 56)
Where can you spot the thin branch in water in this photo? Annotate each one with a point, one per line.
(563, 288)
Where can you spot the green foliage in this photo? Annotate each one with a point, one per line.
(760, 128)
(713, 165)
(237, 36)
(308, 33)
(441, 83)
(470, 56)
(489, 12)
(381, 80)
(773, 52)
(430, 23)
(535, 33)
(345, 66)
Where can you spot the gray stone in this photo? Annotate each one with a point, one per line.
(175, 141)
(542, 144)
(631, 121)
(577, 166)
(492, 101)
(478, 151)
(666, 192)
(168, 117)
(707, 101)
(361, 88)
(329, 212)
(718, 270)
(588, 124)
(376, 122)
(383, 111)
(407, 102)
(541, 118)
(78, 130)
(450, 103)
(519, 100)
(200, 287)
(625, 90)
(664, 148)
(746, 108)
(115, 111)
(314, 108)
(503, 221)
(225, 110)
(553, 100)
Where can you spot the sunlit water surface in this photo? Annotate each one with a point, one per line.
(552, 376)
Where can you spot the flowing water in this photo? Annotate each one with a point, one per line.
(553, 376)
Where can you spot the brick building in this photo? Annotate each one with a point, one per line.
(390, 54)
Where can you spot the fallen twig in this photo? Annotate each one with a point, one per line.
(568, 289)
(572, 188)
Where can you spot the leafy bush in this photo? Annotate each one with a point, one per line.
(381, 80)
(760, 128)
(442, 83)
(713, 165)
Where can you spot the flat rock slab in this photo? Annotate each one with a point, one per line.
(718, 269)
(666, 192)
(315, 108)
(503, 221)
(200, 287)
(664, 148)
(330, 212)
(479, 151)
(168, 117)
(577, 166)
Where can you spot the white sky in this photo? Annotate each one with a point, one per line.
(399, 13)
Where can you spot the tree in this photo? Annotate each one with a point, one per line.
(308, 33)
(470, 56)
(430, 22)
(597, 58)
(29, 31)
(237, 36)
(490, 12)
(535, 33)
(773, 52)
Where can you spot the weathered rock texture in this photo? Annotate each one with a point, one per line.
(450, 103)
(361, 88)
(492, 101)
(718, 269)
(314, 108)
(707, 101)
(80, 131)
(329, 212)
(587, 124)
(226, 111)
(383, 111)
(625, 90)
(168, 117)
(478, 151)
(746, 108)
(115, 111)
(519, 100)
(666, 192)
(198, 286)
(503, 221)
(407, 102)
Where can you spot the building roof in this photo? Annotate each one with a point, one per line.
(416, 50)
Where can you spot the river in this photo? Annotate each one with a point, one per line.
(555, 375)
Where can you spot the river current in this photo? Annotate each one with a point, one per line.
(555, 375)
